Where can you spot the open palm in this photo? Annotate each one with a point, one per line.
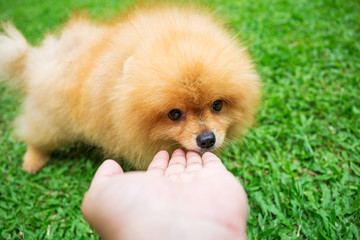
(186, 197)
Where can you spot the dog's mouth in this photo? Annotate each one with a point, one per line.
(199, 150)
(206, 150)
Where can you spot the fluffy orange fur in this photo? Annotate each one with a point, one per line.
(113, 85)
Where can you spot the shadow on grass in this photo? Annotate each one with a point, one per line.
(78, 156)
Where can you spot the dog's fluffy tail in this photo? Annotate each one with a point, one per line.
(13, 55)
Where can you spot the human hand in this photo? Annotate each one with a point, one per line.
(188, 197)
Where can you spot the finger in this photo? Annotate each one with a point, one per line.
(108, 168)
(210, 160)
(159, 163)
(177, 163)
(193, 162)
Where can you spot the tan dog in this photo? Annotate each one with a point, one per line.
(161, 78)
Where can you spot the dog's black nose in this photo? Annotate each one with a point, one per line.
(206, 140)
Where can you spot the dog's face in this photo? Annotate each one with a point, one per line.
(196, 124)
(197, 100)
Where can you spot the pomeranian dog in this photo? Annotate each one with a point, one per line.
(158, 78)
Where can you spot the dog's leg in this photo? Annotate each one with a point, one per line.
(34, 159)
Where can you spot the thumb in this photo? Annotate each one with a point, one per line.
(108, 169)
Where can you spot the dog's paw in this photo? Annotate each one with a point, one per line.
(34, 160)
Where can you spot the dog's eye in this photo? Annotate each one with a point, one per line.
(175, 114)
(217, 105)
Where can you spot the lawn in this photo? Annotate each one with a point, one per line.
(300, 163)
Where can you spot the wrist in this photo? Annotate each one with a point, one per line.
(177, 227)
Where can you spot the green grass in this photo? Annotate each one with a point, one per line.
(300, 164)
